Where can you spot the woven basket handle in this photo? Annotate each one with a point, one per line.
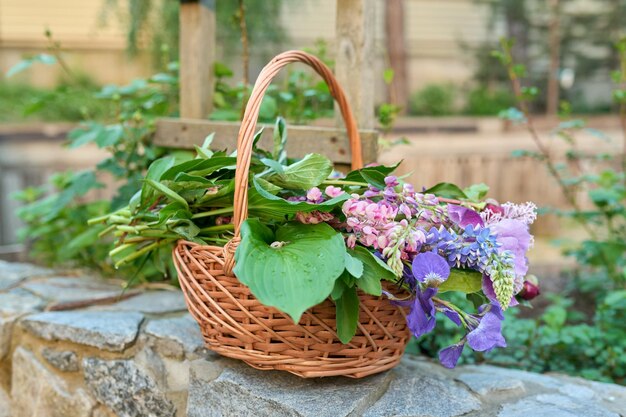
(248, 127)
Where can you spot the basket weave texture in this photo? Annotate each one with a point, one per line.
(235, 324)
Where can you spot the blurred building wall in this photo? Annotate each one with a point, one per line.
(437, 32)
(95, 47)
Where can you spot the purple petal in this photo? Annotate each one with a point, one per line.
(488, 334)
(463, 216)
(452, 315)
(430, 264)
(450, 356)
(514, 237)
(421, 318)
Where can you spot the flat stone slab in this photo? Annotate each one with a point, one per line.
(71, 289)
(125, 389)
(554, 405)
(18, 302)
(176, 336)
(413, 394)
(152, 302)
(12, 273)
(106, 330)
(241, 391)
(483, 385)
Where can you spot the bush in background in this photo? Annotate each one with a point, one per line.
(433, 100)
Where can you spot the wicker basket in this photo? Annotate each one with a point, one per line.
(235, 324)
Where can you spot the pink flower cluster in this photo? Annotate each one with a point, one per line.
(315, 196)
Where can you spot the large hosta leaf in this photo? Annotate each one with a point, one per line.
(292, 269)
(307, 173)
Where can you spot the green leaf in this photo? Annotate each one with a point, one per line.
(354, 266)
(202, 167)
(273, 165)
(462, 280)
(388, 76)
(307, 173)
(339, 288)
(347, 314)
(280, 141)
(24, 64)
(476, 192)
(155, 171)
(161, 188)
(263, 203)
(446, 190)
(374, 270)
(292, 270)
(372, 175)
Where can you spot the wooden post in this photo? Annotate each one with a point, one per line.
(354, 63)
(197, 56)
(398, 91)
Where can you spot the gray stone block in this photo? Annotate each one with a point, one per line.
(152, 302)
(72, 289)
(241, 391)
(65, 360)
(554, 405)
(176, 337)
(35, 391)
(106, 330)
(417, 395)
(126, 389)
(486, 385)
(12, 273)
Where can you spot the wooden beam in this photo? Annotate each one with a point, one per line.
(354, 63)
(197, 57)
(331, 142)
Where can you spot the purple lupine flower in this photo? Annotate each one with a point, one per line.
(421, 318)
(514, 237)
(314, 195)
(430, 268)
(463, 216)
(450, 356)
(333, 191)
(391, 181)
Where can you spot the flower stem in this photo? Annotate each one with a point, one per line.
(343, 182)
(225, 210)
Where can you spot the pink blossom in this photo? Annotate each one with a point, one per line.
(333, 192)
(314, 195)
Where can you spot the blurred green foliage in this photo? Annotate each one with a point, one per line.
(433, 100)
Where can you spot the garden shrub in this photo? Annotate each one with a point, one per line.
(433, 100)
(483, 101)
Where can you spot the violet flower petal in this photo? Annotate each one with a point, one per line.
(463, 216)
(421, 318)
(429, 265)
(450, 356)
(488, 334)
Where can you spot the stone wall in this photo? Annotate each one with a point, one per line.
(63, 356)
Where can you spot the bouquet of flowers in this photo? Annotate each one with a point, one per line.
(313, 234)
